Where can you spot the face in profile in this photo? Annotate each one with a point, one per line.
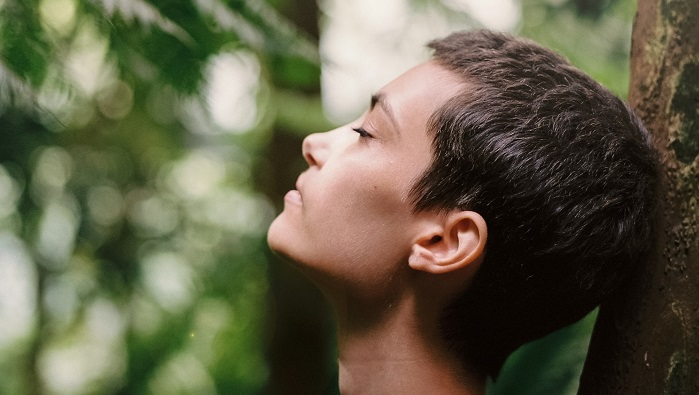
(350, 222)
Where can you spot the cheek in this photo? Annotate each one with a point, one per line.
(359, 197)
(357, 212)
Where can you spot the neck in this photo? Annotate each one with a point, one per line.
(398, 350)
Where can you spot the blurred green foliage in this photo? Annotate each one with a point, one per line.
(130, 222)
(133, 210)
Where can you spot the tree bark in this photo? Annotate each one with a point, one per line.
(646, 340)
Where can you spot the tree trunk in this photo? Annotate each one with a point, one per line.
(299, 354)
(646, 341)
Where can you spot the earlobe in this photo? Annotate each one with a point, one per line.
(455, 242)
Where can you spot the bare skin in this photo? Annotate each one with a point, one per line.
(387, 270)
(403, 354)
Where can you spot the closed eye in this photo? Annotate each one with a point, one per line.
(362, 133)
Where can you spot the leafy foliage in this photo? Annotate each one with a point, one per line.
(130, 210)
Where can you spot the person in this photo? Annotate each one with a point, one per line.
(488, 197)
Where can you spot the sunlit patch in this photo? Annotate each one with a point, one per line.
(493, 14)
(182, 374)
(86, 64)
(57, 231)
(93, 355)
(53, 169)
(104, 321)
(368, 43)
(231, 91)
(387, 15)
(197, 175)
(58, 14)
(169, 280)
(10, 193)
(239, 212)
(17, 291)
(151, 214)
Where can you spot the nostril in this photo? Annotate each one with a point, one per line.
(314, 149)
(307, 149)
(310, 159)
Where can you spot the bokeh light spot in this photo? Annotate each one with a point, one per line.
(17, 290)
(152, 214)
(10, 193)
(197, 175)
(59, 14)
(105, 204)
(231, 92)
(57, 231)
(53, 169)
(169, 279)
(116, 100)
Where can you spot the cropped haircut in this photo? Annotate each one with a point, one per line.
(564, 175)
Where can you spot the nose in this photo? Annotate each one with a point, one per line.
(315, 149)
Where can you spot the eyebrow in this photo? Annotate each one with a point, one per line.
(379, 99)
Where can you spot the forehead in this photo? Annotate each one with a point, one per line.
(416, 94)
(429, 77)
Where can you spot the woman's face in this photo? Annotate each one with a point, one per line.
(350, 223)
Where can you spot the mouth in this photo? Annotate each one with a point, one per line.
(294, 195)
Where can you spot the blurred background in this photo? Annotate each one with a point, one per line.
(145, 146)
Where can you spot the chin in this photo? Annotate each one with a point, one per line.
(279, 239)
(275, 235)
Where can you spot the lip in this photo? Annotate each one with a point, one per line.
(293, 197)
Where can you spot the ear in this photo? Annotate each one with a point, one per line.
(451, 242)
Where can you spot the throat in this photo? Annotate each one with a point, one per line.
(400, 355)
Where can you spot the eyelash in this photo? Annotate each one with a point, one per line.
(362, 133)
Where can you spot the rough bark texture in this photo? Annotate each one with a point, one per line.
(646, 341)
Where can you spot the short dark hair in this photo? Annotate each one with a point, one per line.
(564, 175)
